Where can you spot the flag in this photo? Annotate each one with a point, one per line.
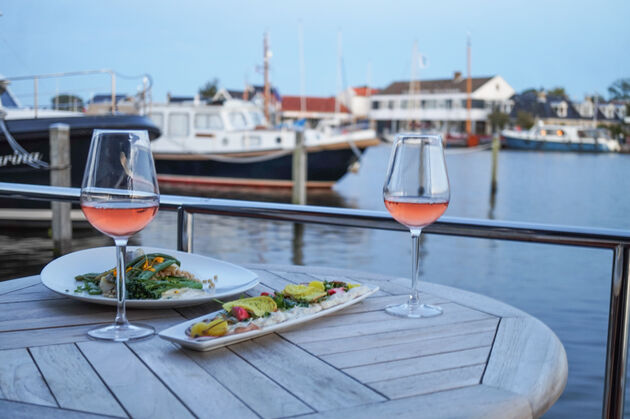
(423, 61)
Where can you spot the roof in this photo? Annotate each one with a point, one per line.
(364, 91)
(530, 102)
(313, 104)
(435, 86)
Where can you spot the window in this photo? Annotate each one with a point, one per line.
(258, 118)
(158, 119)
(178, 125)
(237, 120)
(376, 104)
(208, 121)
(448, 103)
(403, 104)
(390, 105)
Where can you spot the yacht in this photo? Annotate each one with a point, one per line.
(232, 143)
(561, 138)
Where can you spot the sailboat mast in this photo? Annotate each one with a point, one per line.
(468, 89)
(266, 70)
(302, 82)
(339, 76)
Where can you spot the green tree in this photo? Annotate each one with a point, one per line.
(558, 91)
(498, 119)
(620, 89)
(208, 90)
(524, 119)
(67, 102)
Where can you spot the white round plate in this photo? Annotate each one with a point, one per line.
(59, 275)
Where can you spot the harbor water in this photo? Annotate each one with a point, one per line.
(567, 288)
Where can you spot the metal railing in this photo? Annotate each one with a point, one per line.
(617, 241)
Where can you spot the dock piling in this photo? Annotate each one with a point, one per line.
(299, 170)
(496, 144)
(60, 176)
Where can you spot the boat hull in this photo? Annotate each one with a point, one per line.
(323, 167)
(33, 136)
(543, 145)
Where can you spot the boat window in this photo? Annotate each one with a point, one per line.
(237, 120)
(178, 125)
(559, 133)
(257, 118)
(201, 121)
(214, 121)
(158, 119)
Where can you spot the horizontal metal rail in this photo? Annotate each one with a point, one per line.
(616, 240)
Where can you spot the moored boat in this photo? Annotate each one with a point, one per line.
(561, 138)
(232, 144)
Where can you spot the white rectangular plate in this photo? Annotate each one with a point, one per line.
(178, 334)
(59, 275)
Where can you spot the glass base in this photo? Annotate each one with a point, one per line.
(122, 332)
(413, 311)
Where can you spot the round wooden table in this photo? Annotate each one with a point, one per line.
(481, 358)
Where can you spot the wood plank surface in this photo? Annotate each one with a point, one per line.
(21, 381)
(72, 380)
(19, 283)
(258, 391)
(35, 292)
(431, 382)
(17, 410)
(197, 389)
(528, 359)
(56, 335)
(313, 381)
(135, 386)
(478, 401)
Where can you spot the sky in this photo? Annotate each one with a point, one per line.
(579, 45)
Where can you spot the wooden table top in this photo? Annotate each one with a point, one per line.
(481, 358)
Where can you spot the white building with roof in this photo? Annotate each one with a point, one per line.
(439, 104)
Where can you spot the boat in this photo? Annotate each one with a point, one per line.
(560, 138)
(24, 141)
(232, 144)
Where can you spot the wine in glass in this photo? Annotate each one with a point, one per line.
(416, 193)
(119, 197)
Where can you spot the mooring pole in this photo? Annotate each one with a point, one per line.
(60, 176)
(496, 144)
(299, 170)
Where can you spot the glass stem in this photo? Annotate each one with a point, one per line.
(121, 313)
(414, 297)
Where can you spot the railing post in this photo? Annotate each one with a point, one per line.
(184, 230)
(617, 346)
(60, 176)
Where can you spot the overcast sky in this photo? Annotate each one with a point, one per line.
(580, 45)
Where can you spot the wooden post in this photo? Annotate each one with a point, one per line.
(60, 176)
(496, 144)
(299, 170)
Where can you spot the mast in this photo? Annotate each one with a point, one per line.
(339, 76)
(468, 89)
(266, 56)
(413, 86)
(302, 71)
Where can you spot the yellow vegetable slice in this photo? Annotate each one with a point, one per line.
(317, 284)
(305, 293)
(217, 327)
(257, 306)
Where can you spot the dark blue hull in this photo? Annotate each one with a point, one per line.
(523, 144)
(323, 166)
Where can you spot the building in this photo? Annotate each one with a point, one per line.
(439, 104)
(551, 109)
(313, 109)
(358, 100)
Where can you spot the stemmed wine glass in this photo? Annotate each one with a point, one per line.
(119, 197)
(416, 193)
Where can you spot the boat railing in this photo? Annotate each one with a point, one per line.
(143, 92)
(617, 241)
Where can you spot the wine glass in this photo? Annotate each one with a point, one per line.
(416, 193)
(119, 197)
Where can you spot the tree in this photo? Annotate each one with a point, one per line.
(498, 119)
(558, 91)
(208, 90)
(530, 90)
(620, 89)
(524, 119)
(67, 102)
